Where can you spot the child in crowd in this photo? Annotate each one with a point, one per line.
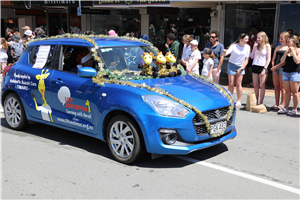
(17, 48)
(208, 63)
(3, 54)
(192, 65)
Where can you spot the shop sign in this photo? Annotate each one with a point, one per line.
(95, 11)
(6, 3)
(139, 3)
(55, 3)
(30, 12)
(163, 11)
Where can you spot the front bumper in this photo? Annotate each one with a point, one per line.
(183, 148)
(188, 140)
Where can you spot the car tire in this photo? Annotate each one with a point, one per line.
(14, 112)
(124, 140)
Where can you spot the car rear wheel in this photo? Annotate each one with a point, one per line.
(124, 140)
(14, 112)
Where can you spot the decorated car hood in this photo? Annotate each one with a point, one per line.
(186, 88)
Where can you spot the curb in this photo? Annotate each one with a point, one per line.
(246, 90)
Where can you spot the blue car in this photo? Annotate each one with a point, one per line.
(113, 99)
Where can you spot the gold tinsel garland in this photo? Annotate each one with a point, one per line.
(101, 80)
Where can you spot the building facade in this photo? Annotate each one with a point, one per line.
(155, 18)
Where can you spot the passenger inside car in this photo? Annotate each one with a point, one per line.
(70, 54)
(84, 59)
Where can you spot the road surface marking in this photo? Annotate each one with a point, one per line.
(230, 171)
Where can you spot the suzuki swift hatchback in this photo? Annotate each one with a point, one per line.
(112, 98)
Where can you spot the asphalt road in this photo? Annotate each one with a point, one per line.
(262, 162)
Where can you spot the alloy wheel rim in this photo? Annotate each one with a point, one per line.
(121, 139)
(13, 112)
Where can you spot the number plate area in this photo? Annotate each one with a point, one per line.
(218, 128)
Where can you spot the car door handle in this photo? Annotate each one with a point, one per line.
(57, 81)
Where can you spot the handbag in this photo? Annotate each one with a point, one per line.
(259, 109)
(251, 100)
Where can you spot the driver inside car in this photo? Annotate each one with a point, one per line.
(84, 59)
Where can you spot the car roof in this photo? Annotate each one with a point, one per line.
(100, 41)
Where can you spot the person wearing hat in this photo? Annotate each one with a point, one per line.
(17, 48)
(25, 28)
(192, 65)
(84, 59)
(208, 63)
(112, 33)
(28, 37)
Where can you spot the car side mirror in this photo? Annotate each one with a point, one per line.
(87, 72)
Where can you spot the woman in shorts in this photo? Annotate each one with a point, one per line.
(291, 75)
(261, 55)
(278, 71)
(238, 60)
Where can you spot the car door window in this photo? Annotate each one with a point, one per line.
(33, 55)
(69, 56)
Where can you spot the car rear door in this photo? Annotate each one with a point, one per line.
(33, 81)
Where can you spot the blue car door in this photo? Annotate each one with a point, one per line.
(34, 81)
(74, 99)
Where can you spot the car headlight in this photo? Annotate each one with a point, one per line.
(166, 107)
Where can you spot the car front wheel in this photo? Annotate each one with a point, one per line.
(14, 112)
(124, 141)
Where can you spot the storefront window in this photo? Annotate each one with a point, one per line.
(180, 21)
(289, 18)
(121, 21)
(242, 18)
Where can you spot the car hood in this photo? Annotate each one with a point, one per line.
(184, 87)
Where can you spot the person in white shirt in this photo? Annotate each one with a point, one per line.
(192, 65)
(261, 55)
(186, 52)
(238, 60)
(208, 63)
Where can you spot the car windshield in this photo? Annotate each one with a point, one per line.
(121, 58)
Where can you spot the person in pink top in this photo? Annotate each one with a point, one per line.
(261, 55)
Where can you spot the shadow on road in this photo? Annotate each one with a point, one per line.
(95, 146)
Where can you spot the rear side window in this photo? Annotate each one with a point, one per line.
(42, 56)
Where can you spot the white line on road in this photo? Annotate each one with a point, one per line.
(230, 171)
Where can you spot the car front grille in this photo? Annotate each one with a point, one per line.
(212, 115)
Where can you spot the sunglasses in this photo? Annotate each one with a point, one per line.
(212, 36)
